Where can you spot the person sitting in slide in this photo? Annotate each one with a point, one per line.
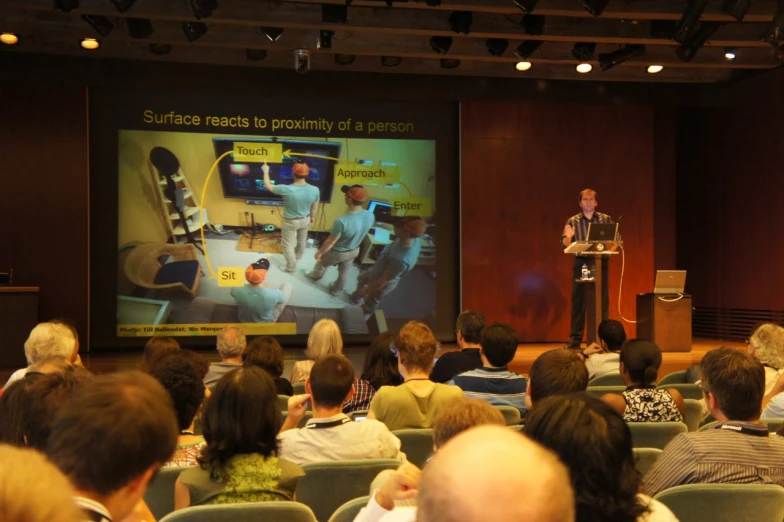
(300, 206)
(257, 302)
(396, 260)
(342, 245)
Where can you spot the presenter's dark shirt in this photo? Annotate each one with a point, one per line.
(580, 224)
(454, 363)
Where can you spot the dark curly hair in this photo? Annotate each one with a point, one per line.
(241, 416)
(264, 352)
(596, 445)
(380, 368)
(155, 349)
(181, 374)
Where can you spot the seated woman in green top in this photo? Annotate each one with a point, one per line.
(239, 463)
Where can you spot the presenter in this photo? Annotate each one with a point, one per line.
(342, 245)
(257, 301)
(300, 206)
(576, 229)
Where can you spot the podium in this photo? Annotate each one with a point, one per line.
(600, 251)
(665, 320)
(20, 315)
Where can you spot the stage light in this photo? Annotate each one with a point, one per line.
(595, 7)
(527, 48)
(139, 27)
(533, 24)
(450, 63)
(66, 5)
(102, 25)
(324, 39)
(441, 44)
(90, 44)
(655, 69)
(194, 30)
(730, 53)
(391, 61)
(688, 49)
(344, 59)
(523, 66)
(273, 33)
(583, 68)
(9, 38)
(774, 31)
(526, 6)
(123, 5)
(609, 60)
(460, 21)
(496, 46)
(160, 49)
(688, 22)
(203, 8)
(255, 55)
(736, 8)
(583, 51)
(334, 14)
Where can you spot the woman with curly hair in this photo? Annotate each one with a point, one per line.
(766, 343)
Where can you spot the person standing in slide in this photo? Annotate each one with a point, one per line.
(300, 206)
(576, 229)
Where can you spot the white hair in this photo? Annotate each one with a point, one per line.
(49, 340)
(231, 342)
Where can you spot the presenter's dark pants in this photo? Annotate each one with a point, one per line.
(579, 301)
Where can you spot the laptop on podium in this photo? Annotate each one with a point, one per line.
(669, 282)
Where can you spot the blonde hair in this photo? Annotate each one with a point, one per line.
(589, 192)
(767, 345)
(324, 339)
(26, 477)
(463, 413)
(48, 340)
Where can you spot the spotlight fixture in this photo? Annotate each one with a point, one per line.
(273, 33)
(533, 24)
(441, 44)
(730, 53)
(90, 44)
(496, 46)
(139, 27)
(609, 60)
(102, 25)
(9, 38)
(460, 21)
(736, 8)
(655, 69)
(159, 49)
(450, 63)
(344, 59)
(523, 66)
(583, 51)
(583, 68)
(595, 7)
(203, 8)
(526, 6)
(325, 39)
(527, 48)
(391, 61)
(194, 30)
(689, 21)
(688, 49)
(773, 34)
(123, 5)
(66, 5)
(334, 14)
(255, 55)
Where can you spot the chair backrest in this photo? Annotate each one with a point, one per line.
(674, 378)
(511, 414)
(417, 444)
(687, 389)
(598, 391)
(160, 493)
(299, 388)
(644, 459)
(349, 511)
(693, 414)
(305, 419)
(773, 424)
(607, 379)
(725, 502)
(279, 511)
(357, 413)
(328, 485)
(283, 402)
(654, 434)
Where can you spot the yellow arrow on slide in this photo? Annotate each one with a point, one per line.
(213, 275)
(289, 153)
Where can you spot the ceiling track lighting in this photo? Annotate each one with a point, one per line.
(533, 24)
(595, 7)
(655, 69)
(460, 21)
(194, 30)
(90, 44)
(102, 25)
(730, 53)
(272, 33)
(139, 27)
(736, 8)
(775, 31)
(689, 21)
(325, 39)
(527, 48)
(609, 60)
(526, 6)
(122, 5)
(9, 38)
(496, 46)
(689, 48)
(583, 68)
(440, 44)
(203, 8)
(523, 66)
(160, 49)
(583, 51)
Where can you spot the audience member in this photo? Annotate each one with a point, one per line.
(380, 369)
(47, 341)
(642, 401)
(493, 382)
(766, 344)
(468, 329)
(735, 450)
(605, 357)
(71, 325)
(331, 434)
(155, 349)
(416, 402)
(110, 439)
(324, 339)
(182, 376)
(596, 445)
(241, 422)
(230, 343)
(265, 353)
(482, 474)
(773, 402)
(555, 372)
(33, 490)
(13, 409)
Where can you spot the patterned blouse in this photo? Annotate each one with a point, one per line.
(650, 405)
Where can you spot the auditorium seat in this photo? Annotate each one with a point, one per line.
(279, 511)
(599, 391)
(283, 402)
(644, 458)
(773, 424)
(687, 389)
(160, 492)
(725, 502)
(348, 511)
(417, 444)
(305, 419)
(693, 414)
(357, 413)
(511, 414)
(607, 379)
(654, 434)
(674, 378)
(299, 388)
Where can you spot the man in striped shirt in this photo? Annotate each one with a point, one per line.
(737, 449)
(576, 229)
(493, 382)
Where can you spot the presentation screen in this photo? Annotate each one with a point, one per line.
(270, 215)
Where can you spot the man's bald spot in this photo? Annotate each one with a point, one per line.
(494, 473)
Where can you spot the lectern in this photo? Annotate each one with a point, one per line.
(20, 315)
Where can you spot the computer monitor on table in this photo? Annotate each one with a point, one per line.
(382, 210)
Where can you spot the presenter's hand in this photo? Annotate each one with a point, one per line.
(265, 168)
(569, 231)
(296, 405)
(401, 486)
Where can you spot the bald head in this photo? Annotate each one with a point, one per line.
(486, 473)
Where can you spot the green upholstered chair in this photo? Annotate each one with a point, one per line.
(725, 502)
(279, 511)
(674, 378)
(348, 511)
(607, 379)
(598, 391)
(511, 414)
(655, 434)
(160, 493)
(693, 414)
(687, 389)
(417, 444)
(644, 459)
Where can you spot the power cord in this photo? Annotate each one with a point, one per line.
(620, 289)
